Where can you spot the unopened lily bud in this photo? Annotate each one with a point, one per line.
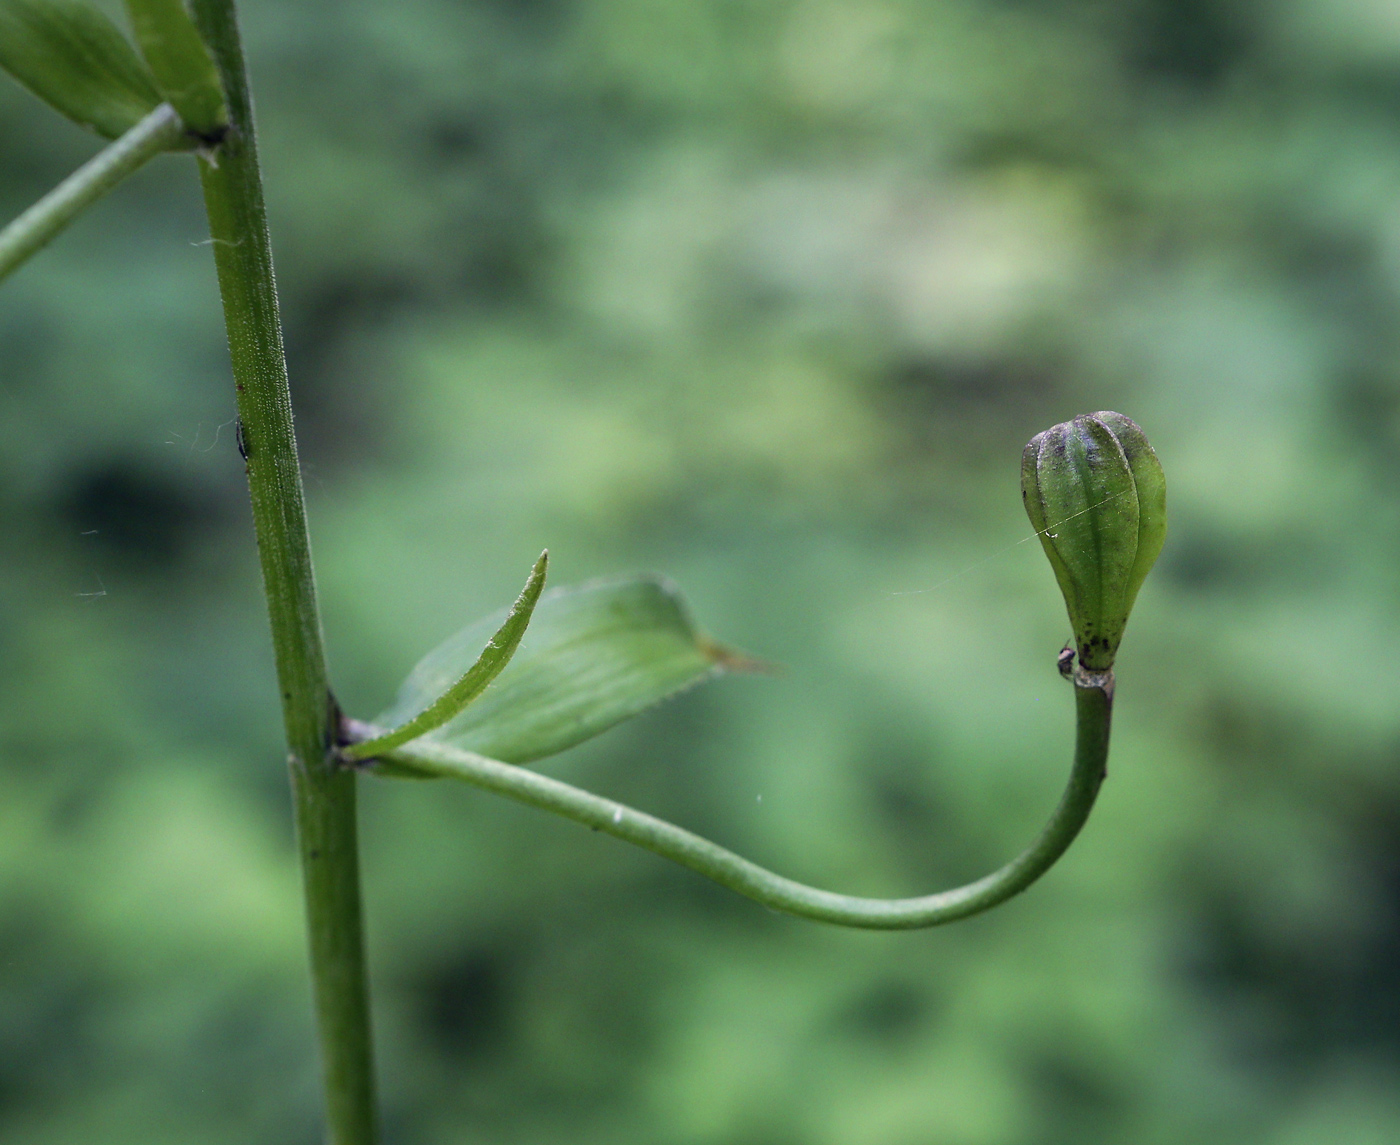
(1095, 493)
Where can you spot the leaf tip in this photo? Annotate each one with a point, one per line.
(727, 659)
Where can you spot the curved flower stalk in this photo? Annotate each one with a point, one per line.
(1093, 699)
(1094, 491)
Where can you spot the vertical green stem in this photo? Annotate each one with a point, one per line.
(324, 795)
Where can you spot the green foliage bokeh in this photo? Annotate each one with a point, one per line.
(766, 296)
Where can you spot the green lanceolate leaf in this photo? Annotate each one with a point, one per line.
(69, 54)
(439, 666)
(594, 655)
(180, 63)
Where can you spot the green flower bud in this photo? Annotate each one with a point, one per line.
(1095, 492)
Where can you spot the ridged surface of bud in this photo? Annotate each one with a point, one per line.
(1096, 495)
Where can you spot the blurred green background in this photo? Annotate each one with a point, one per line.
(766, 296)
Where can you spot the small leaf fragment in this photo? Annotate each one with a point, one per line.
(471, 683)
(594, 655)
(393, 769)
(69, 54)
(180, 62)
